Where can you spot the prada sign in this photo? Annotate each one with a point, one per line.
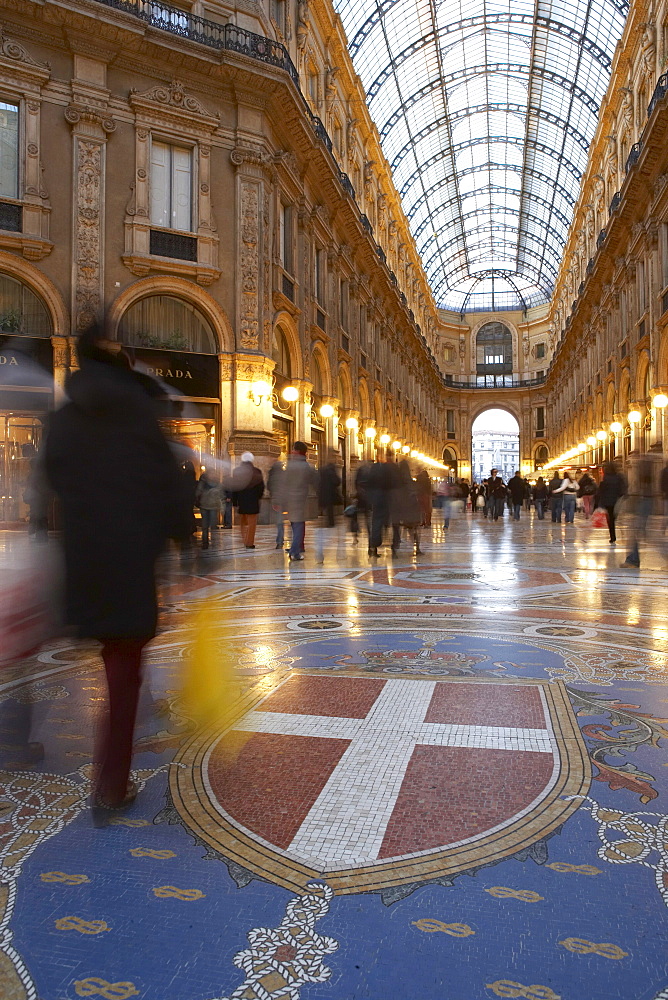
(20, 355)
(190, 374)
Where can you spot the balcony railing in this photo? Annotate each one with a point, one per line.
(660, 91)
(633, 156)
(210, 33)
(495, 382)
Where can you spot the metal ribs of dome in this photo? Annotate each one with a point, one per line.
(486, 109)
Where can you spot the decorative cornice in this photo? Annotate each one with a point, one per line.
(11, 49)
(173, 99)
(76, 114)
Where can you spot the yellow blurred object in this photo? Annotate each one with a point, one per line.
(208, 678)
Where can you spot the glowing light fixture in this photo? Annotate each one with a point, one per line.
(405, 449)
(370, 432)
(634, 416)
(326, 410)
(616, 427)
(591, 440)
(602, 436)
(259, 390)
(352, 423)
(384, 438)
(660, 400)
(396, 445)
(290, 394)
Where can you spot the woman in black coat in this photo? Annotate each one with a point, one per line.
(611, 488)
(247, 490)
(121, 496)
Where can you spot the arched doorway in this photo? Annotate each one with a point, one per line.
(171, 339)
(495, 444)
(450, 462)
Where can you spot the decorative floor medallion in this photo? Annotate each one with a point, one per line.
(374, 783)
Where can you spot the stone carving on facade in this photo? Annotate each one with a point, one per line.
(649, 49)
(612, 161)
(599, 194)
(85, 114)
(331, 73)
(173, 97)
(88, 233)
(351, 132)
(11, 49)
(626, 115)
(249, 260)
(368, 177)
(303, 23)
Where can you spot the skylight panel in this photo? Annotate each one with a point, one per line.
(487, 132)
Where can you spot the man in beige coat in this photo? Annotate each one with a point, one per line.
(300, 478)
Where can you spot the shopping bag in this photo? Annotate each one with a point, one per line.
(350, 510)
(599, 518)
(480, 502)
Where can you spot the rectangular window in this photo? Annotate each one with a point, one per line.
(540, 350)
(9, 150)
(344, 304)
(171, 186)
(541, 373)
(320, 275)
(450, 423)
(494, 359)
(285, 237)
(540, 421)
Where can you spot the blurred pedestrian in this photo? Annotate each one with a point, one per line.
(587, 492)
(641, 502)
(610, 491)
(247, 488)
(208, 498)
(409, 510)
(569, 491)
(121, 495)
(276, 486)
(379, 486)
(329, 482)
(424, 488)
(496, 489)
(300, 479)
(362, 502)
(540, 495)
(517, 490)
(556, 499)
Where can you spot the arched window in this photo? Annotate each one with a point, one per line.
(541, 456)
(494, 354)
(21, 311)
(166, 322)
(280, 354)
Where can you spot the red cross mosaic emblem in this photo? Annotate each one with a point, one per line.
(371, 782)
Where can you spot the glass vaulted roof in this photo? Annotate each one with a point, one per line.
(486, 109)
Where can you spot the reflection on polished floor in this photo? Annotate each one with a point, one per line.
(432, 779)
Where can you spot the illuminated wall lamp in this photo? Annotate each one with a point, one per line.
(396, 445)
(352, 423)
(370, 432)
(415, 453)
(326, 410)
(405, 449)
(258, 391)
(591, 441)
(660, 401)
(602, 435)
(384, 438)
(616, 427)
(290, 394)
(634, 416)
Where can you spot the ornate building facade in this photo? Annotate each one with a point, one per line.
(208, 180)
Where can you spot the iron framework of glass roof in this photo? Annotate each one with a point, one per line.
(486, 109)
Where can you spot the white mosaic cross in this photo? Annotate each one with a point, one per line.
(347, 823)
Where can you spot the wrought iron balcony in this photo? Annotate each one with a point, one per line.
(495, 382)
(633, 155)
(210, 33)
(660, 91)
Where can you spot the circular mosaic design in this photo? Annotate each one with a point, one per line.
(319, 625)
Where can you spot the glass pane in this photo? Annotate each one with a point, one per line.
(167, 322)
(21, 311)
(9, 150)
(160, 184)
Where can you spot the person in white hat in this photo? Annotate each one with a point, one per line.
(247, 489)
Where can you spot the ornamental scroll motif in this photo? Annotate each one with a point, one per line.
(88, 236)
(249, 258)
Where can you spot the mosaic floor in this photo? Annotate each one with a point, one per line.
(432, 779)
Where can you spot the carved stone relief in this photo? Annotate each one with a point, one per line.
(89, 158)
(249, 259)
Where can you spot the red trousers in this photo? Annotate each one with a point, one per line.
(122, 663)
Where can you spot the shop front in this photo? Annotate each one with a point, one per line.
(26, 392)
(169, 339)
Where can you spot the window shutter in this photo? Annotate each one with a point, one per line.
(160, 187)
(9, 150)
(181, 189)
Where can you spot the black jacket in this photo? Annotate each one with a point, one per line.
(247, 497)
(517, 488)
(121, 495)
